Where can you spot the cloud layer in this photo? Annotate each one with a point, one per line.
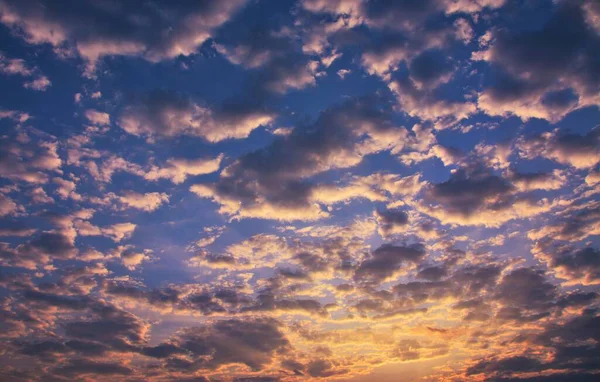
(300, 190)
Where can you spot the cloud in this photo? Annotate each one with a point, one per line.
(386, 261)
(8, 206)
(40, 250)
(568, 357)
(95, 30)
(39, 196)
(66, 188)
(537, 180)
(117, 232)
(277, 58)
(253, 342)
(40, 84)
(18, 66)
(576, 222)
(575, 265)
(80, 367)
(425, 104)
(579, 151)
(28, 160)
(178, 169)
(534, 298)
(545, 72)
(148, 201)
(378, 221)
(17, 231)
(479, 197)
(97, 117)
(270, 182)
(13, 66)
(391, 221)
(167, 114)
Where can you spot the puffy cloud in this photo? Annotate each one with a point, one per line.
(39, 250)
(166, 114)
(253, 342)
(538, 180)
(386, 261)
(277, 57)
(148, 202)
(117, 232)
(503, 288)
(40, 84)
(39, 196)
(97, 117)
(18, 66)
(479, 197)
(95, 30)
(525, 294)
(579, 151)
(8, 206)
(575, 265)
(592, 178)
(12, 66)
(66, 188)
(569, 355)
(130, 257)
(178, 169)
(15, 115)
(391, 221)
(270, 182)
(425, 104)
(545, 72)
(572, 224)
(28, 161)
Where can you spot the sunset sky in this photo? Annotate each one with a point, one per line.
(299, 190)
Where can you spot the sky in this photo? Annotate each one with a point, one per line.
(299, 190)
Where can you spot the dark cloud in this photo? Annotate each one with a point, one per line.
(579, 151)
(97, 29)
(162, 113)
(79, 367)
(56, 300)
(429, 67)
(465, 194)
(39, 250)
(576, 265)
(408, 350)
(475, 195)
(251, 341)
(277, 64)
(526, 289)
(386, 261)
(159, 297)
(402, 13)
(28, 160)
(205, 303)
(505, 366)
(570, 355)
(311, 262)
(432, 273)
(271, 182)
(466, 282)
(391, 221)
(322, 368)
(545, 72)
(50, 348)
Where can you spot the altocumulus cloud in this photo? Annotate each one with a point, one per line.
(299, 190)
